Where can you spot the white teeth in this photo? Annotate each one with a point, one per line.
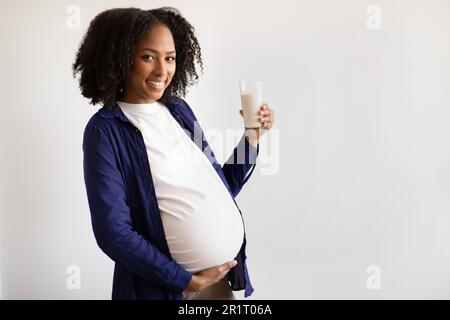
(156, 84)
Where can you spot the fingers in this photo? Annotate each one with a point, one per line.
(265, 111)
(223, 274)
(213, 275)
(227, 266)
(217, 270)
(265, 119)
(224, 268)
(221, 271)
(266, 116)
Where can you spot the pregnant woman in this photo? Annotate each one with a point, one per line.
(161, 206)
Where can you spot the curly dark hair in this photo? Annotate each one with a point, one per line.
(105, 57)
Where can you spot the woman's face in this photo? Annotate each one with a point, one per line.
(154, 66)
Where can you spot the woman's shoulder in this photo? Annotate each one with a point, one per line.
(174, 102)
(100, 119)
(103, 122)
(180, 105)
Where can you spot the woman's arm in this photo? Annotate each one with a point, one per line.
(242, 162)
(111, 220)
(240, 165)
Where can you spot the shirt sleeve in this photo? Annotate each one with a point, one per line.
(240, 165)
(111, 218)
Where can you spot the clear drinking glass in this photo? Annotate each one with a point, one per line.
(251, 98)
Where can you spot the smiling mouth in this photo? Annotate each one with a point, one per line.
(155, 84)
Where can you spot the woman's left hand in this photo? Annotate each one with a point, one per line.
(266, 116)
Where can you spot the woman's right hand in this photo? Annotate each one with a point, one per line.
(208, 277)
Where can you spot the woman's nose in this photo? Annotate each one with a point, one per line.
(160, 67)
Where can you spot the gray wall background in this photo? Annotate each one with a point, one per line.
(355, 173)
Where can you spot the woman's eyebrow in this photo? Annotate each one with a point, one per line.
(155, 51)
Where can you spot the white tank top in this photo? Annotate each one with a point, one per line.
(202, 225)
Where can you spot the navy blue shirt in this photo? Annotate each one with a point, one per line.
(124, 210)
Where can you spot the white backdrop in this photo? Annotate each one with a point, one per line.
(355, 174)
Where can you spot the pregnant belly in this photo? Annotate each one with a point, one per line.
(203, 239)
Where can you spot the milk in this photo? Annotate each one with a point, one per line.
(251, 98)
(251, 105)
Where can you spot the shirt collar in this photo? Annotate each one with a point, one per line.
(105, 112)
(108, 114)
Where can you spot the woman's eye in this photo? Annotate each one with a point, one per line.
(151, 58)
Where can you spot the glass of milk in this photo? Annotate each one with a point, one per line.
(251, 98)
